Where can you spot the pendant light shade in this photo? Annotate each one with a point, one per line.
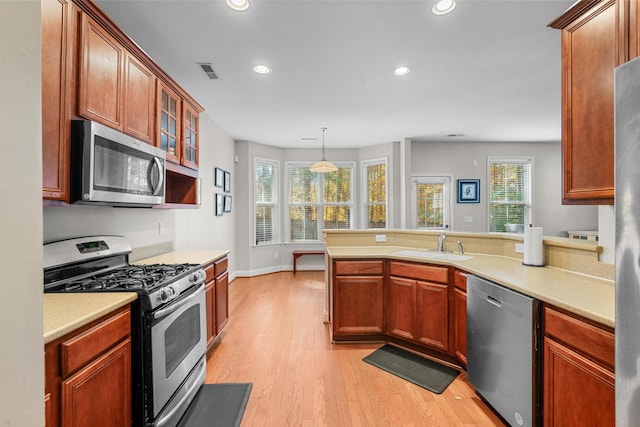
(323, 165)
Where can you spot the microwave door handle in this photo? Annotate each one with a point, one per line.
(156, 189)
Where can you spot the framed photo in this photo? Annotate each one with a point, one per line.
(227, 182)
(468, 191)
(219, 204)
(219, 181)
(227, 203)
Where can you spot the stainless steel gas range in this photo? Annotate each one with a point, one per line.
(168, 319)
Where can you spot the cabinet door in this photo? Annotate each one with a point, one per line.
(432, 315)
(590, 52)
(57, 61)
(100, 74)
(168, 127)
(190, 142)
(401, 320)
(99, 395)
(210, 298)
(139, 100)
(577, 391)
(357, 305)
(460, 327)
(221, 314)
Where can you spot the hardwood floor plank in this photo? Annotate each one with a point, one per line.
(276, 339)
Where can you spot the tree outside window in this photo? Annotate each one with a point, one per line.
(375, 173)
(265, 201)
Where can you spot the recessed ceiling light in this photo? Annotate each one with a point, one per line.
(262, 69)
(443, 7)
(240, 5)
(401, 71)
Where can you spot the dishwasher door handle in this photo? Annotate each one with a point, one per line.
(494, 301)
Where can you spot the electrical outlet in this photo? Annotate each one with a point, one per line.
(381, 237)
(276, 255)
(161, 228)
(519, 248)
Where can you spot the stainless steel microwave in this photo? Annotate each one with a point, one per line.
(111, 168)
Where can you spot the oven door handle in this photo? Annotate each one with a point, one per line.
(167, 311)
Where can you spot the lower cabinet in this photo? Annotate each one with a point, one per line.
(88, 374)
(357, 299)
(217, 298)
(579, 380)
(418, 304)
(460, 317)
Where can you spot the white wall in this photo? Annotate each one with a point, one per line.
(457, 159)
(22, 355)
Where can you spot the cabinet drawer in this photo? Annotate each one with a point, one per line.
(79, 350)
(209, 272)
(344, 268)
(591, 340)
(422, 272)
(461, 280)
(220, 266)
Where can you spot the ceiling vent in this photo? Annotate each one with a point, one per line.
(206, 67)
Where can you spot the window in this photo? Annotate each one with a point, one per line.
(431, 202)
(375, 191)
(266, 201)
(510, 204)
(318, 201)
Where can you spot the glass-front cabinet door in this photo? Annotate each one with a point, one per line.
(169, 114)
(190, 141)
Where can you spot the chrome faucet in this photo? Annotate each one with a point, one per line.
(441, 240)
(460, 249)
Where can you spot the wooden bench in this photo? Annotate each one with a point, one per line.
(298, 254)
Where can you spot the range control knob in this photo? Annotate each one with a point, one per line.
(166, 294)
(198, 276)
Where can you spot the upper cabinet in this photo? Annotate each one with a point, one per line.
(91, 69)
(101, 75)
(597, 36)
(57, 92)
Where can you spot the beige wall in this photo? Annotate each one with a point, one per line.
(22, 355)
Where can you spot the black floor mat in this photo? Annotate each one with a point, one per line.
(217, 405)
(426, 373)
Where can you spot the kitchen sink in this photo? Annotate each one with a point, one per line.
(426, 254)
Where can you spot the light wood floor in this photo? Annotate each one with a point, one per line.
(276, 340)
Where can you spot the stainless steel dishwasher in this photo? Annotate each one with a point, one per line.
(503, 357)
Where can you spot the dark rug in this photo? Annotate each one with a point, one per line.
(217, 405)
(421, 371)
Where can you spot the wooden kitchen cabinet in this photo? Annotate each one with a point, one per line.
(139, 100)
(460, 317)
(597, 36)
(57, 93)
(101, 68)
(357, 299)
(579, 380)
(169, 118)
(88, 374)
(418, 304)
(217, 298)
(190, 153)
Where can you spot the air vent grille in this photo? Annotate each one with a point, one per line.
(206, 67)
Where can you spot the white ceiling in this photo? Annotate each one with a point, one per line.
(490, 70)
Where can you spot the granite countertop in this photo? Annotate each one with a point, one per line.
(66, 312)
(193, 257)
(587, 296)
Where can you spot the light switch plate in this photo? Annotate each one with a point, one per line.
(519, 248)
(381, 237)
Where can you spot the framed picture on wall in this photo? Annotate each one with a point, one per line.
(468, 191)
(227, 203)
(219, 204)
(219, 179)
(227, 182)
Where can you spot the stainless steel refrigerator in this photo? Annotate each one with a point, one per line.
(627, 208)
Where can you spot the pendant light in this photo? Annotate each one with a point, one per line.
(323, 165)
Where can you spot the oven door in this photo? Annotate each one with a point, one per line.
(178, 343)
